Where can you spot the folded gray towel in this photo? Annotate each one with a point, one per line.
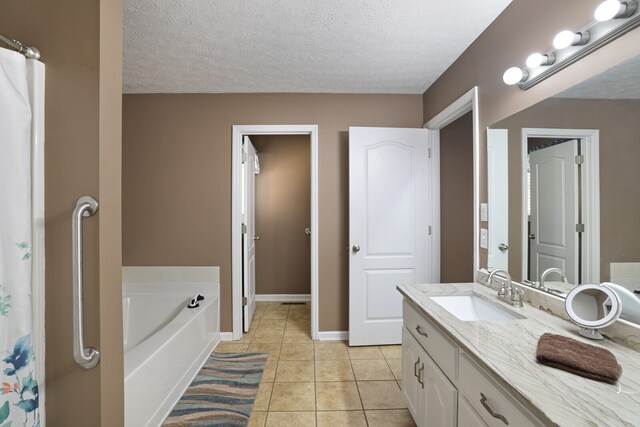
(582, 359)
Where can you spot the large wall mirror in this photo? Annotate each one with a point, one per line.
(571, 204)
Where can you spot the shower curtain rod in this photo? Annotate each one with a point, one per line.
(29, 52)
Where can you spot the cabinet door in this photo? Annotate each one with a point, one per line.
(467, 416)
(412, 357)
(440, 404)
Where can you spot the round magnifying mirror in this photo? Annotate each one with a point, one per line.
(592, 306)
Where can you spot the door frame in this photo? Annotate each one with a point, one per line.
(460, 107)
(238, 131)
(590, 195)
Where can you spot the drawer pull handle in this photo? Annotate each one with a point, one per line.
(415, 368)
(421, 332)
(420, 371)
(483, 400)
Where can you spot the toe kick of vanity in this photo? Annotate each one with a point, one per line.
(484, 373)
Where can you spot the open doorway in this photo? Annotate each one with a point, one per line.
(275, 276)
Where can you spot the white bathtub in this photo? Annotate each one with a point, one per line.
(165, 343)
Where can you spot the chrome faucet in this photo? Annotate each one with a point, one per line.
(552, 270)
(507, 291)
(506, 288)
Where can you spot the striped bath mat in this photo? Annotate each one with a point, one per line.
(222, 393)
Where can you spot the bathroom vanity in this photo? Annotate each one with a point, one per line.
(483, 371)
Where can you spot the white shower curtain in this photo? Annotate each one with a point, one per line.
(19, 396)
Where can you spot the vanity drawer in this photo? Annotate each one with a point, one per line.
(477, 388)
(441, 350)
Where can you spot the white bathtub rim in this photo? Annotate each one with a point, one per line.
(136, 357)
(185, 289)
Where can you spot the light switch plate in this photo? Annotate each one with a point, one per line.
(483, 238)
(483, 212)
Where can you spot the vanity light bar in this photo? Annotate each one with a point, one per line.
(569, 46)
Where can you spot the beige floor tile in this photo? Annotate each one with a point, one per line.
(246, 338)
(272, 349)
(277, 305)
(331, 351)
(257, 419)
(261, 304)
(295, 336)
(291, 419)
(296, 351)
(334, 370)
(257, 316)
(267, 335)
(269, 373)
(381, 395)
(231, 347)
(305, 306)
(337, 396)
(341, 419)
(395, 418)
(396, 367)
(365, 353)
(391, 351)
(264, 397)
(274, 324)
(275, 314)
(293, 397)
(297, 371)
(374, 369)
(299, 314)
(299, 324)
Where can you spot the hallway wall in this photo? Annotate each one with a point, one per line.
(283, 211)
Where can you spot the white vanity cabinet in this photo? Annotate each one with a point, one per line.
(430, 396)
(444, 387)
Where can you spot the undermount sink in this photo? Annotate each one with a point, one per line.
(473, 307)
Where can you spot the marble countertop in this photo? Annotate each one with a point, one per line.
(507, 349)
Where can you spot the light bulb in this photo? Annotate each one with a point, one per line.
(609, 9)
(565, 39)
(536, 59)
(513, 75)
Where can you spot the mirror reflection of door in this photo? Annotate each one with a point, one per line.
(554, 207)
(498, 198)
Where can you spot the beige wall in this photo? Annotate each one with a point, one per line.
(177, 178)
(81, 44)
(524, 27)
(283, 211)
(456, 201)
(617, 121)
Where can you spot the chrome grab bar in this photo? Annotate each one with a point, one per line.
(87, 357)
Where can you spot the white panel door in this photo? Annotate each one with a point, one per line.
(498, 192)
(441, 405)
(388, 228)
(554, 210)
(249, 237)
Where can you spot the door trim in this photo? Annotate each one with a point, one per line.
(238, 131)
(590, 195)
(460, 107)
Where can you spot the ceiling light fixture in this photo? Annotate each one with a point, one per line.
(539, 59)
(615, 9)
(514, 75)
(568, 38)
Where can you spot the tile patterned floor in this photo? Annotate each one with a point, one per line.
(327, 383)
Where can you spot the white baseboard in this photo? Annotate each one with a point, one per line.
(226, 336)
(284, 297)
(333, 335)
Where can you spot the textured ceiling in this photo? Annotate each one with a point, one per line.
(326, 46)
(619, 82)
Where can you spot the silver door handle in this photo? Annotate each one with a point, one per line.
(87, 357)
(355, 249)
(307, 231)
(256, 237)
(503, 247)
(532, 236)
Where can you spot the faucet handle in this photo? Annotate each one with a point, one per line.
(516, 297)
